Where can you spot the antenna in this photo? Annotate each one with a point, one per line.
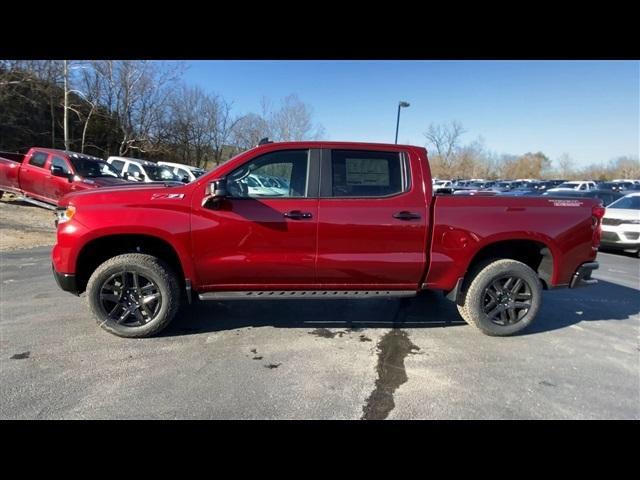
(264, 141)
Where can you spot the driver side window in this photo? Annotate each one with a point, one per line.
(282, 174)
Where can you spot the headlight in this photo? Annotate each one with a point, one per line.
(65, 214)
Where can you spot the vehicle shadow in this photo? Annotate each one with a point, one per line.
(561, 308)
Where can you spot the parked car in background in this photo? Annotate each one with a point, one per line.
(619, 186)
(186, 173)
(574, 185)
(607, 196)
(621, 224)
(443, 184)
(46, 175)
(137, 170)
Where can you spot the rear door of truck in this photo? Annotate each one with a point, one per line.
(372, 219)
(33, 174)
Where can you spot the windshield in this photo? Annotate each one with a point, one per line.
(197, 173)
(160, 173)
(568, 185)
(630, 203)
(88, 168)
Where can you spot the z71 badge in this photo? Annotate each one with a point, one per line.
(167, 196)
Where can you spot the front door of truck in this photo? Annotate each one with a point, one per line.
(55, 187)
(260, 237)
(372, 220)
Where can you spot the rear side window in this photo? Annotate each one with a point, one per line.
(118, 165)
(132, 169)
(38, 159)
(367, 173)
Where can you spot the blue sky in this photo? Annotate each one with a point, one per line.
(588, 109)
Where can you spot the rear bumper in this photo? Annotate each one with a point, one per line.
(582, 276)
(66, 281)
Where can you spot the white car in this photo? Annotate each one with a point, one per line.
(137, 170)
(443, 184)
(576, 185)
(186, 172)
(621, 224)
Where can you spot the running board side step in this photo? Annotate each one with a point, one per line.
(300, 294)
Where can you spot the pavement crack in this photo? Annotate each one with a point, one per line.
(393, 348)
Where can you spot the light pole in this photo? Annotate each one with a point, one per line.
(401, 104)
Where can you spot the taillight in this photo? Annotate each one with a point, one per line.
(597, 212)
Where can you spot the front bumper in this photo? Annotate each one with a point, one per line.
(66, 281)
(582, 276)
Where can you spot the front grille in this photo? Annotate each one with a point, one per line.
(610, 236)
(611, 221)
(632, 235)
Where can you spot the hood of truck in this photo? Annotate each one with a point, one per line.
(103, 181)
(126, 192)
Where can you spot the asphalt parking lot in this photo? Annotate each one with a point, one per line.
(308, 359)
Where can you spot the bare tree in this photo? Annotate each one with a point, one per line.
(565, 165)
(136, 92)
(445, 139)
(292, 121)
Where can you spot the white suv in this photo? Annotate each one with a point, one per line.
(577, 185)
(187, 173)
(137, 170)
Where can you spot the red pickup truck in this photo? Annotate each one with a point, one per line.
(351, 220)
(46, 175)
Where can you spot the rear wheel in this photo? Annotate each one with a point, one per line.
(133, 295)
(502, 298)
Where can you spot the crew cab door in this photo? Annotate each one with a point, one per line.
(260, 239)
(33, 174)
(56, 187)
(372, 219)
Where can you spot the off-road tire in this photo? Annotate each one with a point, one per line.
(471, 306)
(151, 268)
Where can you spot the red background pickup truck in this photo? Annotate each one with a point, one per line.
(32, 176)
(356, 221)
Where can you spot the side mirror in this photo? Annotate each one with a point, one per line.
(186, 179)
(125, 175)
(216, 192)
(58, 171)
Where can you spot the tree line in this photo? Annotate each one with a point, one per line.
(141, 109)
(451, 158)
(144, 109)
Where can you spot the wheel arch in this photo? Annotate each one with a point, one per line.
(98, 250)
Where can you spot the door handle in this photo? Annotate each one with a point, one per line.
(297, 215)
(404, 215)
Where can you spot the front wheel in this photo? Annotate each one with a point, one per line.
(133, 295)
(502, 298)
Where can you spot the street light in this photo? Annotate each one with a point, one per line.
(400, 105)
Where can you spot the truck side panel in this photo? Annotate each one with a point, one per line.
(462, 226)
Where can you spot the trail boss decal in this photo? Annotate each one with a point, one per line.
(566, 203)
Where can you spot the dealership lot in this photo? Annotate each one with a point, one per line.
(320, 360)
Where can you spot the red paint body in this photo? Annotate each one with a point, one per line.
(348, 243)
(18, 176)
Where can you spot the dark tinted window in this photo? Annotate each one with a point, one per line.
(258, 177)
(60, 162)
(38, 159)
(366, 173)
(132, 169)
(118, 165)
